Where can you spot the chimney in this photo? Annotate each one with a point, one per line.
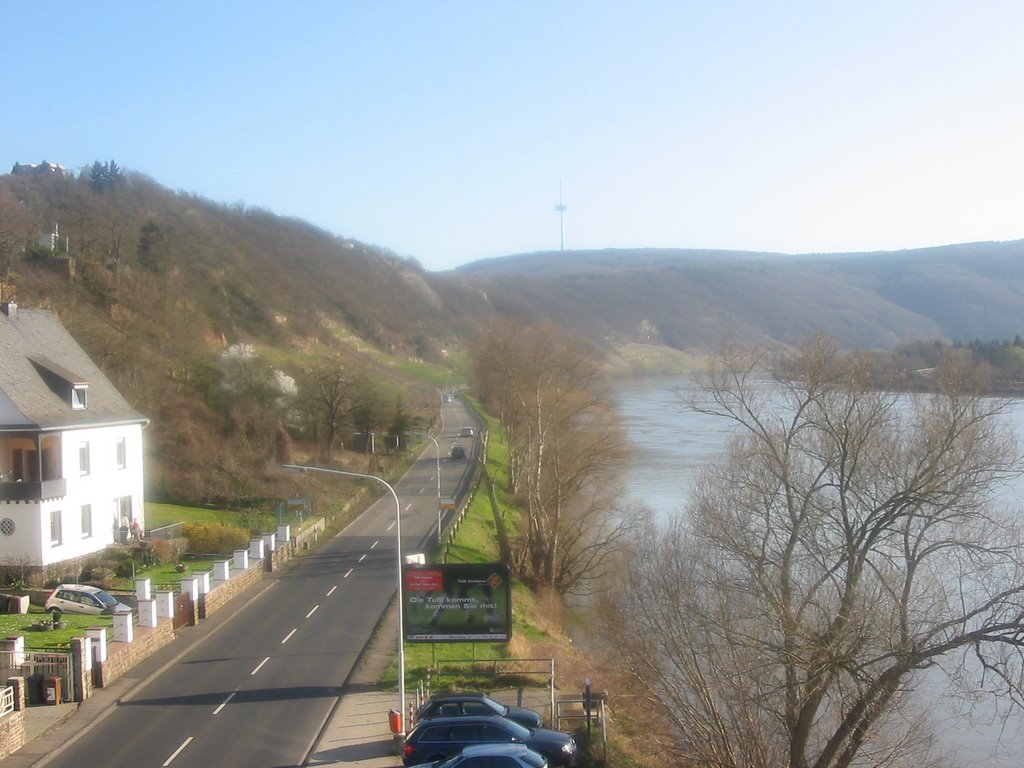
(9, 308)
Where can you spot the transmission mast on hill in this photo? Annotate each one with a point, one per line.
(561, 218)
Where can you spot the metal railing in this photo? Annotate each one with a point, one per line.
(6, 700)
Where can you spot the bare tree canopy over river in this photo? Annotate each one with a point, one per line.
(843, 548)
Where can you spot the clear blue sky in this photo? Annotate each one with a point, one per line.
(442, 130)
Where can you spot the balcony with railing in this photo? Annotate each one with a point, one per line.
(30, 468)
(33, 492)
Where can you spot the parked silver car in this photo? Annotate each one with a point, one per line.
(490, 755)
(83, 598)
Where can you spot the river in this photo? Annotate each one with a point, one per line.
(672, 444)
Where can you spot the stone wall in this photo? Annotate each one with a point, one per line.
(12, 725)
(12, 732)
(226, 591)
(122, 656)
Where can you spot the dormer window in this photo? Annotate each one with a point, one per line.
(70, 387)
(79, 396)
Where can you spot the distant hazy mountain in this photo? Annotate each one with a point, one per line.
(693, 299)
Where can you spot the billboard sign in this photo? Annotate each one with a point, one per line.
(457, 603)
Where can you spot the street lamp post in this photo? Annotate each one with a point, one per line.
(437, 455)
(398, 547)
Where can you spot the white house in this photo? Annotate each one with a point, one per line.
(70, 446)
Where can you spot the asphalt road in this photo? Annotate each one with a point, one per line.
(257, 691)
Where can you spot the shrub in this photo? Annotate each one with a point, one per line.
(215, 538)
(167, 550)
(101, 576)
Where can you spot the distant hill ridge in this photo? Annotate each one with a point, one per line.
(246, 274)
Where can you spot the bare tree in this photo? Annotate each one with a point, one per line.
(566, 451)
(327, 395)
(844, 545)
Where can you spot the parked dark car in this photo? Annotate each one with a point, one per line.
(459, 704)
(493, 756)
(444, 737)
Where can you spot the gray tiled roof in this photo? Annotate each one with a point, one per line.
(37, 354)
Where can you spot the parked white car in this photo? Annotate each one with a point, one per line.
(82, 598)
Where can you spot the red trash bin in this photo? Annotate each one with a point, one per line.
(395, 721)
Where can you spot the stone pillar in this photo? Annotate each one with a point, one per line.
(147, 613)
(81, 668)
(124, 628)
(242, 559)
(142, 589)
(284, 533)
(222, 570)
(19, 684)
(256, 549)
(164, 604)
(98, 635)
(269, 542)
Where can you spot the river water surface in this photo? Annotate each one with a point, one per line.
(671, 445)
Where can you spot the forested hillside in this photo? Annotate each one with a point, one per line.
(227, 326)
(237, 330)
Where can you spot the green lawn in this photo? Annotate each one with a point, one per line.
(258, 521)
(12, 624)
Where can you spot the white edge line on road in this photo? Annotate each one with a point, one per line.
(289, 636)
(177, 752)
(312, 611)
(259, 666)
(331, 590)
(225, 702)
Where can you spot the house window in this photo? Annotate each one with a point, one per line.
(56, 534)
(83, 458)
(87, 521)
(79, 397)
(121, 453)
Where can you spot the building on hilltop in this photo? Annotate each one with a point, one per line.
(40, 169)
(71, 479)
